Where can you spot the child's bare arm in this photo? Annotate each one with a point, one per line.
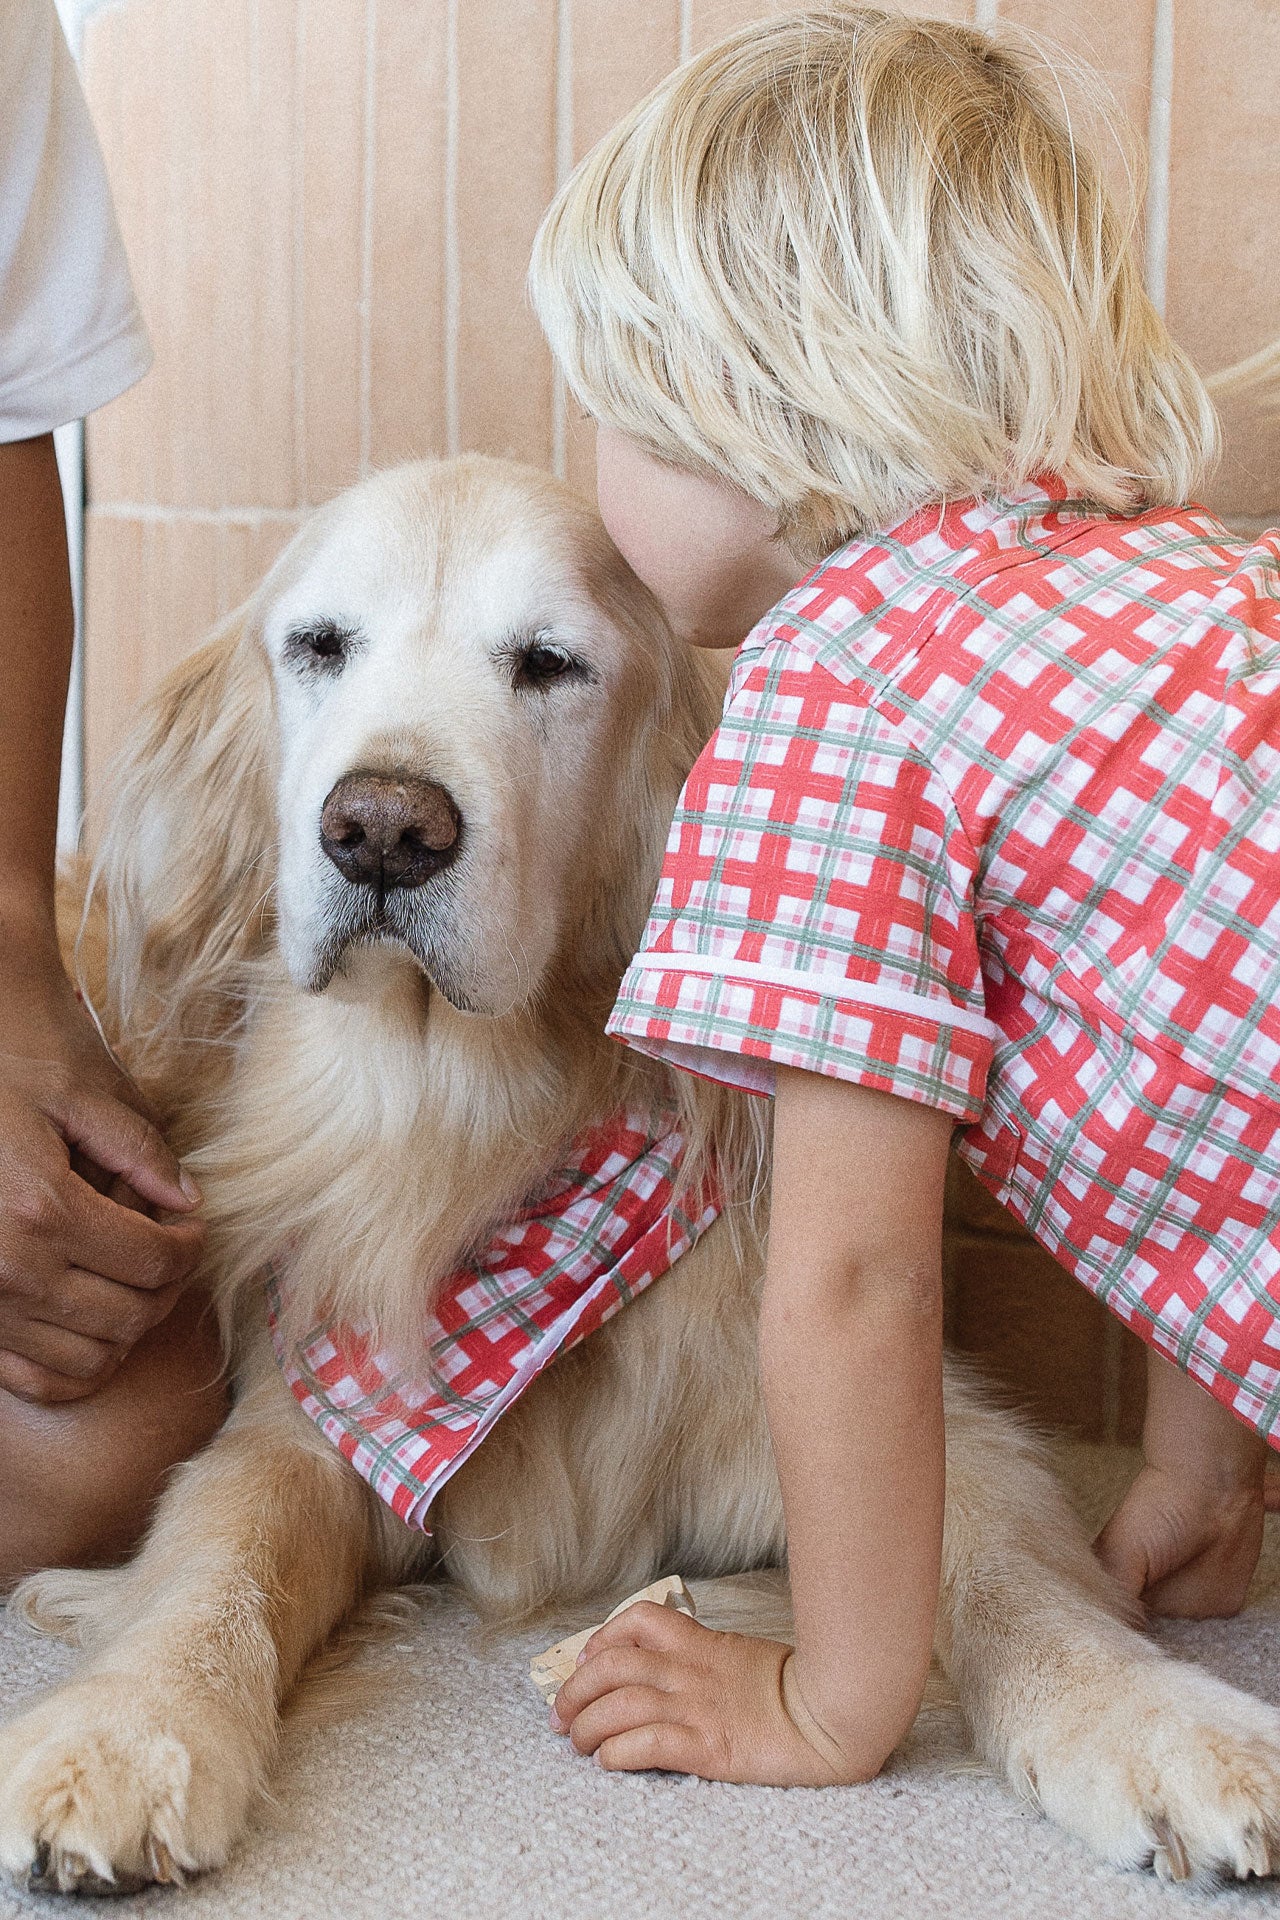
(1186, 1537)
(851, 1356)
(81, 1277)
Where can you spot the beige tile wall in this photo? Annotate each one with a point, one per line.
(329, 204)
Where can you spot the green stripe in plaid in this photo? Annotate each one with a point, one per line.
(992, 821)
(606, 1227)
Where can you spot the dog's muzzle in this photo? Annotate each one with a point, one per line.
(389, 830)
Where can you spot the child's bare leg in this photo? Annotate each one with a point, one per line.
(78, 1480)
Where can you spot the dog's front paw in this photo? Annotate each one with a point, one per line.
(1174, 1770)
(103, 1790)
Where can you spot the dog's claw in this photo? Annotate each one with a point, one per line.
(38, 1872)
(164, 1868)
(1255, 1855)
(1170, 1860)
(71, 1873)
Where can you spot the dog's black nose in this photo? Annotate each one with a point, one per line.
(389, 830)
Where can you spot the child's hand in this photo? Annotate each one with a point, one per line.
(1185, 1548)
(655, 1689)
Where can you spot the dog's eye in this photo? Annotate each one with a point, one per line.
(325, 644)
(536, 663)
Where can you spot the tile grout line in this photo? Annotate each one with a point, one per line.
(564, 164)
(300, 474)
(1159, 147)
(255, 105)
(151, 513)
(986, 13)
(452, 265)
(365, 308)
(686, 29)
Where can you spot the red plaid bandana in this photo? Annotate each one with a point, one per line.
(602, 1232)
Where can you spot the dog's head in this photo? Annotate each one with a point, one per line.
(463, 677)
(449, 729)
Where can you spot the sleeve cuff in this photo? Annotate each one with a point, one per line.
(69, 391)
(737, 1022)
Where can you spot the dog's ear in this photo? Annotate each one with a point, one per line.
(187, 857)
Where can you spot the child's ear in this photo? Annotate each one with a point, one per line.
(187, 860)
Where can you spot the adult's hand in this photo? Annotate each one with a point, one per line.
(86, 1267)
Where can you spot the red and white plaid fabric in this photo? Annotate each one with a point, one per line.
(606, 1228)
(992, 822)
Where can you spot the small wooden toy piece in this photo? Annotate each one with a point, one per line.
(549, 1671)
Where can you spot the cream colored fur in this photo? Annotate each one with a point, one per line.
(373, 1129)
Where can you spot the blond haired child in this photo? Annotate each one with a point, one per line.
(987, 845)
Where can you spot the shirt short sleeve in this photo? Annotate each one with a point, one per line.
(816, 904)
(71, 336)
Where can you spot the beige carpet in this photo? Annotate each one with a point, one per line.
(450, 1798)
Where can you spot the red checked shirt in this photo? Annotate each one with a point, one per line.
(992, 822)
(611, 1222)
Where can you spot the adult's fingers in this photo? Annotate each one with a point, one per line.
(58, 1350)
(101, 1309)
(28, 1380)
(104, 1237)
(124, 1141)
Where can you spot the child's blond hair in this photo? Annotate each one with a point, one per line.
(852, 262)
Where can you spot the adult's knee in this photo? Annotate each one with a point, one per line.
(78, 1481)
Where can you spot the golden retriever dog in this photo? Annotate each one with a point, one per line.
(367, 1081)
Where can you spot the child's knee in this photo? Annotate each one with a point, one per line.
(78, 1481)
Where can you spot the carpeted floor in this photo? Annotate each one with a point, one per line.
(449, 1797)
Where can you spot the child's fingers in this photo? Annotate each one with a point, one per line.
(605, 1672)
(676, 1749)
(1123, 1555)
(620, 1712)
(662, 1629)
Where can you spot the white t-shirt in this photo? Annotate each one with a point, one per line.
(71, 336)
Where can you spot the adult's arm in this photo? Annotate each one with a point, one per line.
(82, 1275)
